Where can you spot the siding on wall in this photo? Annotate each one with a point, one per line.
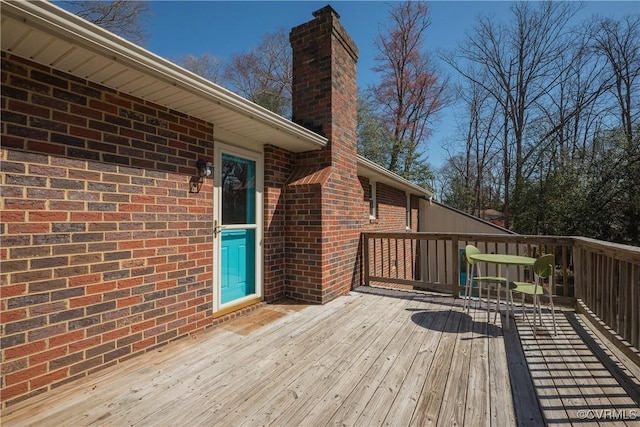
(439, 218)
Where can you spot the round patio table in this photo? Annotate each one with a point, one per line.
(503, 259)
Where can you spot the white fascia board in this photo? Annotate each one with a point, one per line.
(373, 171)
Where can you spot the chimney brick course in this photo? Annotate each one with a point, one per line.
(324, 194)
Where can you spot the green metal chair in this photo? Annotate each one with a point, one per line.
(474, 275)
(543, 270)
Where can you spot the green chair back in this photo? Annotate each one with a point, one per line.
(471, 250)
(544, 266)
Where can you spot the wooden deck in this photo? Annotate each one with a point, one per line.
(375, 357)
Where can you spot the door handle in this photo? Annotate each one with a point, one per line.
(216, 229)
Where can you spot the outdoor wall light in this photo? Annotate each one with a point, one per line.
(205, 169)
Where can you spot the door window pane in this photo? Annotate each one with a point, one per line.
(238, 190)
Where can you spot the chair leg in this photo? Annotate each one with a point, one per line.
(467, 296)
(468, 291)
(488, 303)
(537, 312)
(553, 315)
(523, 308)
(468, 288)
(513, 305)
(495, 313)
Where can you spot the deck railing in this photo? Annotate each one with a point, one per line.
(598, 278)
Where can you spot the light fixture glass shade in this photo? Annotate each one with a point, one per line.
(205, 169)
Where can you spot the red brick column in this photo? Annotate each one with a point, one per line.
(324, 198)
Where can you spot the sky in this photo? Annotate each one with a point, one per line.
(222, 28)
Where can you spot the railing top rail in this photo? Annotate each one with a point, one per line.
(629, 253)
(471, 236)
(619, 251)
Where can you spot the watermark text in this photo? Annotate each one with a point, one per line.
(608, 414)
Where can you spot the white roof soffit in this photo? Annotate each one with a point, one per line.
(52, 36)
(377, 173)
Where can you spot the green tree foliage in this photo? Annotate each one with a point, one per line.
(373, 136)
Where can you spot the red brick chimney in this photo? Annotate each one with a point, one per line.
(324, 83)
(324, 195)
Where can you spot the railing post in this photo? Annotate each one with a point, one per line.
(456, 266)
(365, 257)
(424, 261)
(577, 273)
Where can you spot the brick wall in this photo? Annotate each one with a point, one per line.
(105, 252)
(391, 204)
(278, 167)
(391, 208)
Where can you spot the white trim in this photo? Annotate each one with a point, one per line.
(373, 200)
(408, 211)
(217, 214)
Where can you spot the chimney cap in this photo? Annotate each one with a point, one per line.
(325, 11)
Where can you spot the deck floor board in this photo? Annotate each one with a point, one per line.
(375, 357)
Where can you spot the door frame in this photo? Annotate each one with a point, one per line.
(219, 150)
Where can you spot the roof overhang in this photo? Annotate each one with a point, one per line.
(377, 173)
(49, 35)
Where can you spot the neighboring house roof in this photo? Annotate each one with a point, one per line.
(491, 224)
(490, 214)
(48, 34)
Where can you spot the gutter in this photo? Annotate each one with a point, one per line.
(397, 179)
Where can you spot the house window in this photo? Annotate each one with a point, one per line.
(408, 214)
(372, 201)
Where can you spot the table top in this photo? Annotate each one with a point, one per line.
(504, 259)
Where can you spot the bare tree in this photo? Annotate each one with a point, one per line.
(518, 66)
(123, 17)
(410, 92)
(205, 65)
(264, 74)
(482, 146)
(619, 43)
(474, 170)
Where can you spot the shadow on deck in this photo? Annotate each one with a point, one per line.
(574, 377)
(375, 357)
